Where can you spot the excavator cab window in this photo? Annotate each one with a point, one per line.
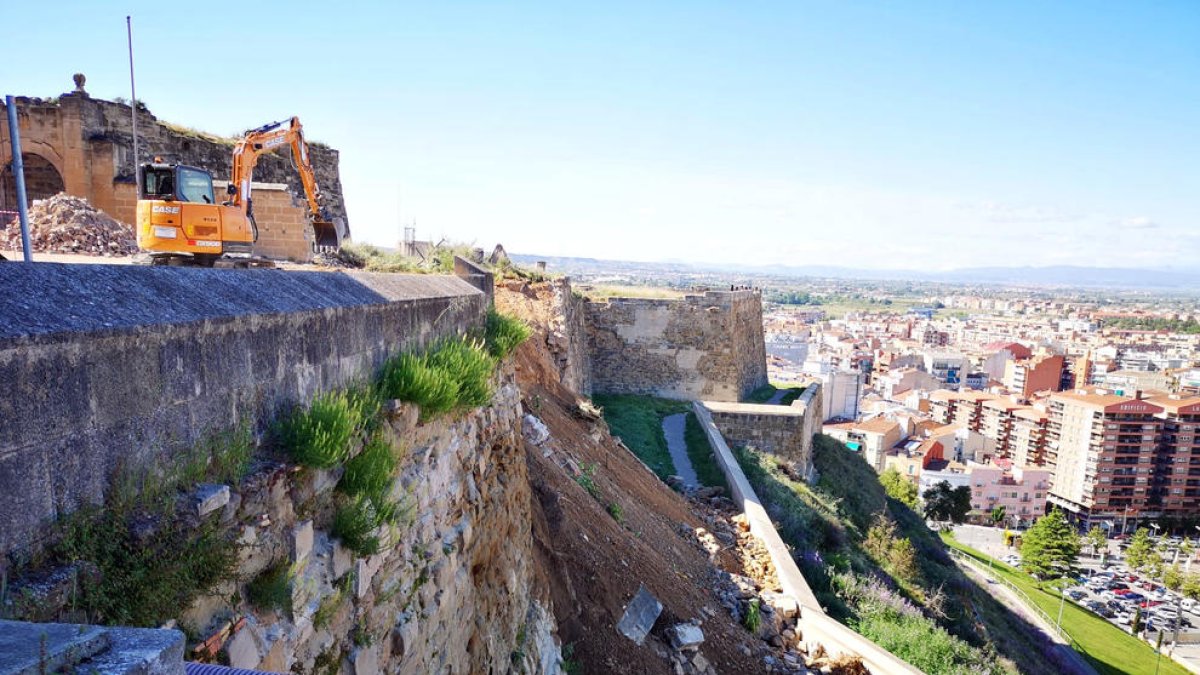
(158, 182)
(194, 185)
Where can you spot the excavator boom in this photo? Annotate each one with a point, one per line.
(268, 138)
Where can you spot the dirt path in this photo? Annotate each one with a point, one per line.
(777, 397)
(1017, 604)
(673, 426)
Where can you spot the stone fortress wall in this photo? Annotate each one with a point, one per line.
(786, 431)
(707, 346)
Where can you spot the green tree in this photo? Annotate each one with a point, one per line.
(1050, 547)
(998, 514)
(904, 560)
(1191, 586)
(1096, 540)
(943, 502)
(1173, 577)
(899, 488)
(1186, 549)
(1139, 548)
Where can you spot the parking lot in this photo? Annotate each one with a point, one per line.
(1110, 590)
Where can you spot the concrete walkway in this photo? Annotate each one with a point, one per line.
(777, 397)
(673, 427)
(1016, 604)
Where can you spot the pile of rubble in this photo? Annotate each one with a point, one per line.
(755, 599)
(67, 224)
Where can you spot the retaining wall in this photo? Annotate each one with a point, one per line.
(815, 626)
(706, 346)
(105, 367)
(786, 431)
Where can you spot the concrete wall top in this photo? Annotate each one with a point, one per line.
(754, 408)
(46, 299)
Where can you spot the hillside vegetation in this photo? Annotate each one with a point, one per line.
(875, 566)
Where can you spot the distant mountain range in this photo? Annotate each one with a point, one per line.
(1055, 275)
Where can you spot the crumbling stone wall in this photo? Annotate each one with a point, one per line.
(452, 589)
(786, 431)
(107, 366)
(88, 144)
(706, 346)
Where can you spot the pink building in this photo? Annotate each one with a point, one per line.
(1022, 491)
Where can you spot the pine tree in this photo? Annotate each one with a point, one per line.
(1050, 547)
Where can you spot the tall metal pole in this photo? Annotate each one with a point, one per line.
(137, 175)
(18, 166)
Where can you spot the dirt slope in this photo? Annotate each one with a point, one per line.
(593, 564)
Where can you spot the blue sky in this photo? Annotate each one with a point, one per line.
(887, 135)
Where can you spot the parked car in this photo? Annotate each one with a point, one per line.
(1123, 619)
(1118, 586)
(1188, 604)
(1146, 604)
(1075, 593)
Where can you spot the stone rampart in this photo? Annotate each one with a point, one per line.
(706, 346)
(104, 367)
(786, 431)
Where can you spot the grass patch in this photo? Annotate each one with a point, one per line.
(700, 452)
(1108, 648)
(319, 436)
(587, 479)
(272, 589)
(604, 292)
(637, 420)
(618, 513)
(503, 333)
(917, 605)
(765, 393)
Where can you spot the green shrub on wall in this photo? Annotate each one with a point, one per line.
(319, 436)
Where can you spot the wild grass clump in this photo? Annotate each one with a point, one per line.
(470, 365)
(371, 471)
(272, 589)
(319, 436)
(456, 374)
(355, 524)
(410, 377)
(145, 575)
(503, 334)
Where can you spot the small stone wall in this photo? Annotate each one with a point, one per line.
(107, 366)
(706, 346)
(786, 431)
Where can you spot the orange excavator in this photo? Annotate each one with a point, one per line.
(179, 221)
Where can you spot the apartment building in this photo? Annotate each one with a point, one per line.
(1108, 460)
(873, 438)
(1029, 376)
(1179, 466)
(1028, 435)
(1020, 490)
(948, 369)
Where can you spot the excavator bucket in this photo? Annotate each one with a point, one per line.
(327, 237)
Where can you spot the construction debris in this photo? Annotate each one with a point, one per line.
(67, 224)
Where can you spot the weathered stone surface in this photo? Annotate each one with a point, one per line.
(365, 660)
(32, 648)
(706, 346)
(535, 431)
(686, 636)
(640, 615)
(302, 540)
(210, 497)
(786, 431)
(245, 648)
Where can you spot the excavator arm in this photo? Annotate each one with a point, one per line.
(269, 138)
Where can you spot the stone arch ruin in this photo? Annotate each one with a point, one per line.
(42, 179)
